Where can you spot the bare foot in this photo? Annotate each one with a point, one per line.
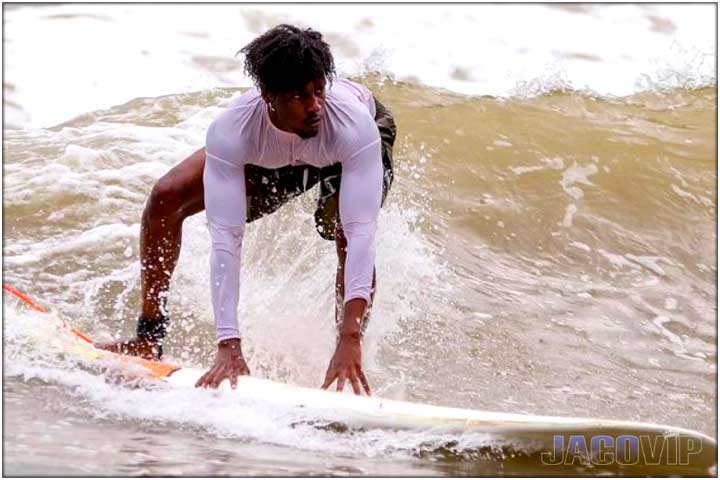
(136, 347)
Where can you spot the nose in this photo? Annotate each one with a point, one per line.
(314, 104)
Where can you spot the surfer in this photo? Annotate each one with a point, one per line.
(300, 126)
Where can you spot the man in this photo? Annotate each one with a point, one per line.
(300, 127)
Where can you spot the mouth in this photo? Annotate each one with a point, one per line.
(313, 122)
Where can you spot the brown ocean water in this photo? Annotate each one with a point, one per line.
(549, 255)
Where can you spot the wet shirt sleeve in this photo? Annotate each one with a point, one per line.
(225, 207)
(360, 199)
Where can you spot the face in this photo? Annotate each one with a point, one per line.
(299, 112)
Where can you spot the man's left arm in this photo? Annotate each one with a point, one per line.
(360, 200)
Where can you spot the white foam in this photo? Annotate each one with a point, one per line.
(555, 163)
(102, 237)
(570, 212)
(649, 262)
(617, 260)
(697, 199)
(577, 174)
(581, 246)
(523, 170)
(676, 342)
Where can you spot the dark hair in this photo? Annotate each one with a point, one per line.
(286, 58)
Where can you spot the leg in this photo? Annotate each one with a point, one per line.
(327, 220)
(176, 196)
(341, 247)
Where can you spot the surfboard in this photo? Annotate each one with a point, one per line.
(559, 437)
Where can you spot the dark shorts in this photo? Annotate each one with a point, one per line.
(269, 188)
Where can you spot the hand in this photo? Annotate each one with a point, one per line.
(229, 363)
(346, 364)
(138, 347)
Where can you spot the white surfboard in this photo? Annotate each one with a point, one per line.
(561, 439)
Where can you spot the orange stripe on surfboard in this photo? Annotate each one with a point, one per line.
(156, 369)
(27, 300)
(37, 307)
(80, 334)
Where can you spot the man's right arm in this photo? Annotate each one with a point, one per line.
(225, 207)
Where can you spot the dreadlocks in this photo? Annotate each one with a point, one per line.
(286, 58)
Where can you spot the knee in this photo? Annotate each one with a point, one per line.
(166, 199)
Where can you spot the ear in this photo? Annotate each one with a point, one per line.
(266, 96)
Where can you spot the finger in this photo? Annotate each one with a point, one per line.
(364, 382)
(233, 379)
(203, 380)
(225, 374)
(354, 381)
(216, 378)
(341, 382)
(329, 378)
(355, 385)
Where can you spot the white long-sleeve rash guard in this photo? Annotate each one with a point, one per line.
(244, 134)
